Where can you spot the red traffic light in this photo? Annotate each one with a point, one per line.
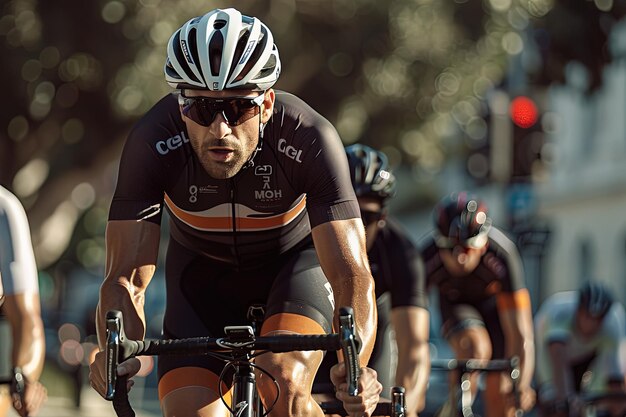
(523, 112)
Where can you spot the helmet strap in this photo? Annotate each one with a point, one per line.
(259, 145)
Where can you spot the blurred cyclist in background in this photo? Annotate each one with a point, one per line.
(484, 304)
(578, 338)
(400, 284)
(19, 298)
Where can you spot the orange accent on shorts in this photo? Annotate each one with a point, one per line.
(519, 300)
(191, 376)
(291, 322)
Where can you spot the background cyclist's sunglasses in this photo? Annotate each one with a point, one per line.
(236, 110)
(474, 242)
(370, 217)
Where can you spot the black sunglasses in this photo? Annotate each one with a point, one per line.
(369, 217)
(236, 110)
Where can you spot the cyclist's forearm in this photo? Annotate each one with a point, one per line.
(412, 372)
(116, 296)
(411, 326)
(527, 363)
(527, 357)
(28, 352)
(364, 307)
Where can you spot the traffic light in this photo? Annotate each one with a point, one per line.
(527, 138)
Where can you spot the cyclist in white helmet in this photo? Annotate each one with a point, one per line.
(19, 298)
(580, 337)
(262, 211)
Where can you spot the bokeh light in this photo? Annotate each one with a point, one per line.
(69, 331)
(523, 112)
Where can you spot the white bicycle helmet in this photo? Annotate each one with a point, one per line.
(222, 50)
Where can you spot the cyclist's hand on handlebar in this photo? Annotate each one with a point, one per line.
(97, 372)
(365, 402)
(28, 404)
(527, 398)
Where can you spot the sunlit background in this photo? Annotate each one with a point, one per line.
(522, 101)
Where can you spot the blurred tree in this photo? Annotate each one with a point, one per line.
(405, 76)
(576, 31)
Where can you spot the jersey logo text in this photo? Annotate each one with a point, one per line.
(289, 150)
(171, 144)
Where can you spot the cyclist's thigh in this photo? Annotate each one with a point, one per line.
(465, 330)
(300, 301)
(190, 391)
(301, 298)
(592, 371)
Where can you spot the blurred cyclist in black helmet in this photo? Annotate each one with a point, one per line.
(400, 287)
(578, 335)
(484, 304)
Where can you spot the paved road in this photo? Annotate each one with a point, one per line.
(92, 405)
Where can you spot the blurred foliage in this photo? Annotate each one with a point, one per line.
(405, 76)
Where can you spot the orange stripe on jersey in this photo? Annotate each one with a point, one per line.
(519, 300)
(199, 222)
(190, 376)
(291, 322)
(225, 223)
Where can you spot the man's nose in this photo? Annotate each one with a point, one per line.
(219, 126)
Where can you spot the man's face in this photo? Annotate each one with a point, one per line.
(586, 324)
(222, 148)
(461, 260)
(371, 213)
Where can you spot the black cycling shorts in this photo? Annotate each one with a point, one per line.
(457, 317)
(203, 296)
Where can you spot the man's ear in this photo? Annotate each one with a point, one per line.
(267, 107)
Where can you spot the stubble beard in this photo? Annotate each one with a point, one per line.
(218, 169)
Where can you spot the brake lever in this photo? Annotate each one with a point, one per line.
(350, 346)
(114, 332)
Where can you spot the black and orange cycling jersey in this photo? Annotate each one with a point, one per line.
(298, 180)
(240, 241)
(497, 284)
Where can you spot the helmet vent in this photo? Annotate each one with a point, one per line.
(215, 52)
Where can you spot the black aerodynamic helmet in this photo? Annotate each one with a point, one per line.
(595, 298)
(369, 172)
(222, 50)
(462, 219)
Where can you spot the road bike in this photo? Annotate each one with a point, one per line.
(238, 349)
(465, 368)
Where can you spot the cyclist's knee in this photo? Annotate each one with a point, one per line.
(194, 402)
(192, 391)
(472, 343)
